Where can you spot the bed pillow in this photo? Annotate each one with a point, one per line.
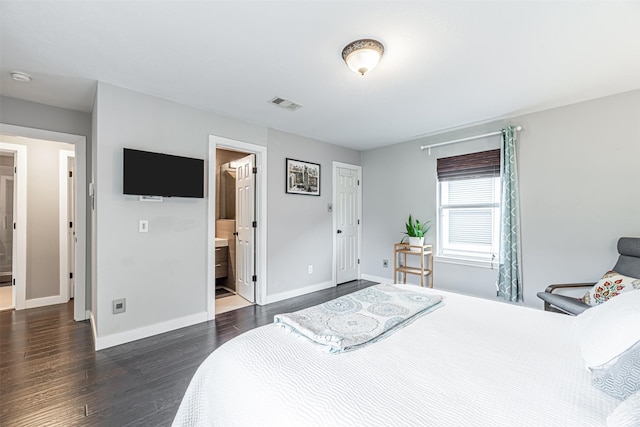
(608, 330)
(620, 379)
(611, 285)
(627, 414)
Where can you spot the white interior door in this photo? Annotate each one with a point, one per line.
(71, 231)
(246, 237)
(347, 223)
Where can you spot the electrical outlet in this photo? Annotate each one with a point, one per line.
(329, 207)
(119, 305)
(311, 269)
(385, 263)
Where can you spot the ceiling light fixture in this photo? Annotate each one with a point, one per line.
(19, 76)
(362, 55)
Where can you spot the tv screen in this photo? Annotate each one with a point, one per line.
(157, 174)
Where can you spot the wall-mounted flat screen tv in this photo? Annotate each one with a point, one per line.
(156, 174)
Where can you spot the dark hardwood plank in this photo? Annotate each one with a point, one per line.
(50, 374)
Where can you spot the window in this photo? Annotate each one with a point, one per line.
(469, 207)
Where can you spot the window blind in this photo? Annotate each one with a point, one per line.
(471, 226)
(469, 191)
(469, 212)
(483, 164)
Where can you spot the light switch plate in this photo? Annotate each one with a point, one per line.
(143, 226)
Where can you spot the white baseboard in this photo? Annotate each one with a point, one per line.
(147, 331)
(377, 278)
(298, 292)
(41, 302)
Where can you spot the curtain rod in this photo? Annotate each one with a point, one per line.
(469, 138)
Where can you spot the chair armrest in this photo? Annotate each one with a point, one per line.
(552, 288)
(566, 304)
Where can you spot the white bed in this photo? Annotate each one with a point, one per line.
(472, 362)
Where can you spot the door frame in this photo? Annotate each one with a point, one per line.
(334, 263)
(19, 263)
(80, 143)
(64, 221)
(4, 179)
(260, 152)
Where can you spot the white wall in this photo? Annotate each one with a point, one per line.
(162, 274)
(579, 188)
(300, 226)
(400, 180)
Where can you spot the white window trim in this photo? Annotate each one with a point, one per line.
(447, 259)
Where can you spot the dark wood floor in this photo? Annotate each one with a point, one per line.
(50, 375)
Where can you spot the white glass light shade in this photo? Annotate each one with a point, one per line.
(363, 60)
(362, 56)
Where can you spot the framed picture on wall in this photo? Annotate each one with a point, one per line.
(303, 177)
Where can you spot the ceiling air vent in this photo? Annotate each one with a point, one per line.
(285, 103)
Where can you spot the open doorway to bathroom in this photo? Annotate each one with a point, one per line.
(234, 209)
(250, 223)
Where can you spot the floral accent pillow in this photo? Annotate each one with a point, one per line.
(609, 286)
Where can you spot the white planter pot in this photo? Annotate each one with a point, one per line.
(416, 241)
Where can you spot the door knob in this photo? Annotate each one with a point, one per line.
(339, 231)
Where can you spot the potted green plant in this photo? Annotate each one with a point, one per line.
(416, 231)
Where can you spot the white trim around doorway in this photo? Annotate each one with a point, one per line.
(19, 265)
(64, 220)
(261, 207)
(80, 143)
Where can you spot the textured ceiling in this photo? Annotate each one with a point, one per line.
(446, 64)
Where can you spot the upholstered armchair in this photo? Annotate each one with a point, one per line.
(628, 265)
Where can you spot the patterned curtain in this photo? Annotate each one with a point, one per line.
(509, 275)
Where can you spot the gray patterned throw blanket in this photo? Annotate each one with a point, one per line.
(359, 319)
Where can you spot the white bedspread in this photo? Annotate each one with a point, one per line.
(473, 362)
